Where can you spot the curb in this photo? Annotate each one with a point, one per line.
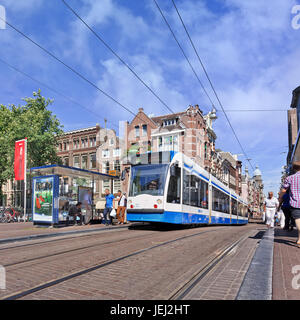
(257, 284)
(48, 235)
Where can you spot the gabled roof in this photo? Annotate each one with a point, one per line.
(295, 99)
(171, 116)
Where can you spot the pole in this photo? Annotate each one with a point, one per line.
(25, 179)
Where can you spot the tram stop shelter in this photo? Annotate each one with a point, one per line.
(56, 187)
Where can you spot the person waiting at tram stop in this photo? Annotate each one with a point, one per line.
(122, 203)
(109, 205)
(270, 207)
(284, 205)
(292, 183)
(75, 211)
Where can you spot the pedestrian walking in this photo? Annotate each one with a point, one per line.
(270, 208)
(292, 183)
(109, 205)
(75, 211)
(122, 203)
(284, 205)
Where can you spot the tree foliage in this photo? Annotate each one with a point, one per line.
(34, 122)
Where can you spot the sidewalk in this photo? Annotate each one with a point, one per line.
(286, 258)
(27, 231)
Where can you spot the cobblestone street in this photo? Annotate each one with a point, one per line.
(136, 263)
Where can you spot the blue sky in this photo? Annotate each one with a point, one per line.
(249, 48)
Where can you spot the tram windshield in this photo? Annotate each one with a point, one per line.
(148, 179)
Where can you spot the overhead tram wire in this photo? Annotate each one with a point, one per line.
(208, 78)
(187, 59)
(70, 68)
(116, 55)
(256, 110)
(54, 90)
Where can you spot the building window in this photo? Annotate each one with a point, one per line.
(116, 152)
(160, 145)
(93, 142)
(137, 131)
(111, 142)
(205, 150)
(170, 122)
(168, 143)
(76, 162)
(144, 130)
(66, 161)
(117, 166)
(92, 160)
(105, 153)
(84, 143)
(84, 162)
(105, 185)
(105, 167)
(76, 144)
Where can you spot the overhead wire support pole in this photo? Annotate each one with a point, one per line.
(187, 59)
(210, 82)
(116, 55)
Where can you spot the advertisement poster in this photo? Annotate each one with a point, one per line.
(43, 206)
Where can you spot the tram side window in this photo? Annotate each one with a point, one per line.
(203, 195)
(186, 187)
(233, 206)
(240, 209)
(173, 195)
(220, 200)
(246, 211)
(195, 191)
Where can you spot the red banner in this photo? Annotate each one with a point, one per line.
(20, 149)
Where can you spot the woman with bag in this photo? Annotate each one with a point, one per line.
(122, 203)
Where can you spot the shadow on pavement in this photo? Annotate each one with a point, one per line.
(286, 237)
(161, 226)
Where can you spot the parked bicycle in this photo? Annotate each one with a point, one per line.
(10, 214)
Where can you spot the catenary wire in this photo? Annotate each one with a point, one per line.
(183, 52)
(72, 69)
(115, 54)
(212, 86)
(52, 89)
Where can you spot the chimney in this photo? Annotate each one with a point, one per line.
(141, 109)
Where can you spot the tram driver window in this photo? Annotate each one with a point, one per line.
(174, 186)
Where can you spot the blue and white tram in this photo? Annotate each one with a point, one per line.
(181, 192)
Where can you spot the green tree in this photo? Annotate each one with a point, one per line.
(34, 122)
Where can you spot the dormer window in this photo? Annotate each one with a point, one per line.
(170, 122)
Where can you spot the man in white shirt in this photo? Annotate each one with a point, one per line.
(270, 207)
(122, 203)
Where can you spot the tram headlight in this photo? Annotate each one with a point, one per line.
(159, 201)
(130, 201)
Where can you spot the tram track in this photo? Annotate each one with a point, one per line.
(86, 270)
(61, 236)
(85, 248)
(187, 287)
